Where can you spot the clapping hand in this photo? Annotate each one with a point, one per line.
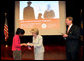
(65, 35)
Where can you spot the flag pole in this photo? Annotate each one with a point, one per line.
(6, 20)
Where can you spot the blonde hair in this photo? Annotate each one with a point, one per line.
(35, 30)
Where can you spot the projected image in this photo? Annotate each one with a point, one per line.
(39, 10)
(47, 16)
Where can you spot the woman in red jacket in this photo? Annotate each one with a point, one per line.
(16, 46)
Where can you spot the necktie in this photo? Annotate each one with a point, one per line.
(68, 29)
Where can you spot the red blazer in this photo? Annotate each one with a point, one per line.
(16, 43)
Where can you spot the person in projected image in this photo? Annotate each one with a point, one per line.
(40, 16)
(49, 13)
(28, 12)
(38, 44)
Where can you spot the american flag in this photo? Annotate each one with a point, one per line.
(6, 28)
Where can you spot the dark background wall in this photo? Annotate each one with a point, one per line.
(73, 8)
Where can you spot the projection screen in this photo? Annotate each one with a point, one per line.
(47, 16)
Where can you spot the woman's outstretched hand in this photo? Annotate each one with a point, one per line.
(24, 44)
(29, 44)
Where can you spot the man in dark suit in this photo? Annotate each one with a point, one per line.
(72, 37)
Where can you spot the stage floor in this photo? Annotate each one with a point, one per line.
(52, 52)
